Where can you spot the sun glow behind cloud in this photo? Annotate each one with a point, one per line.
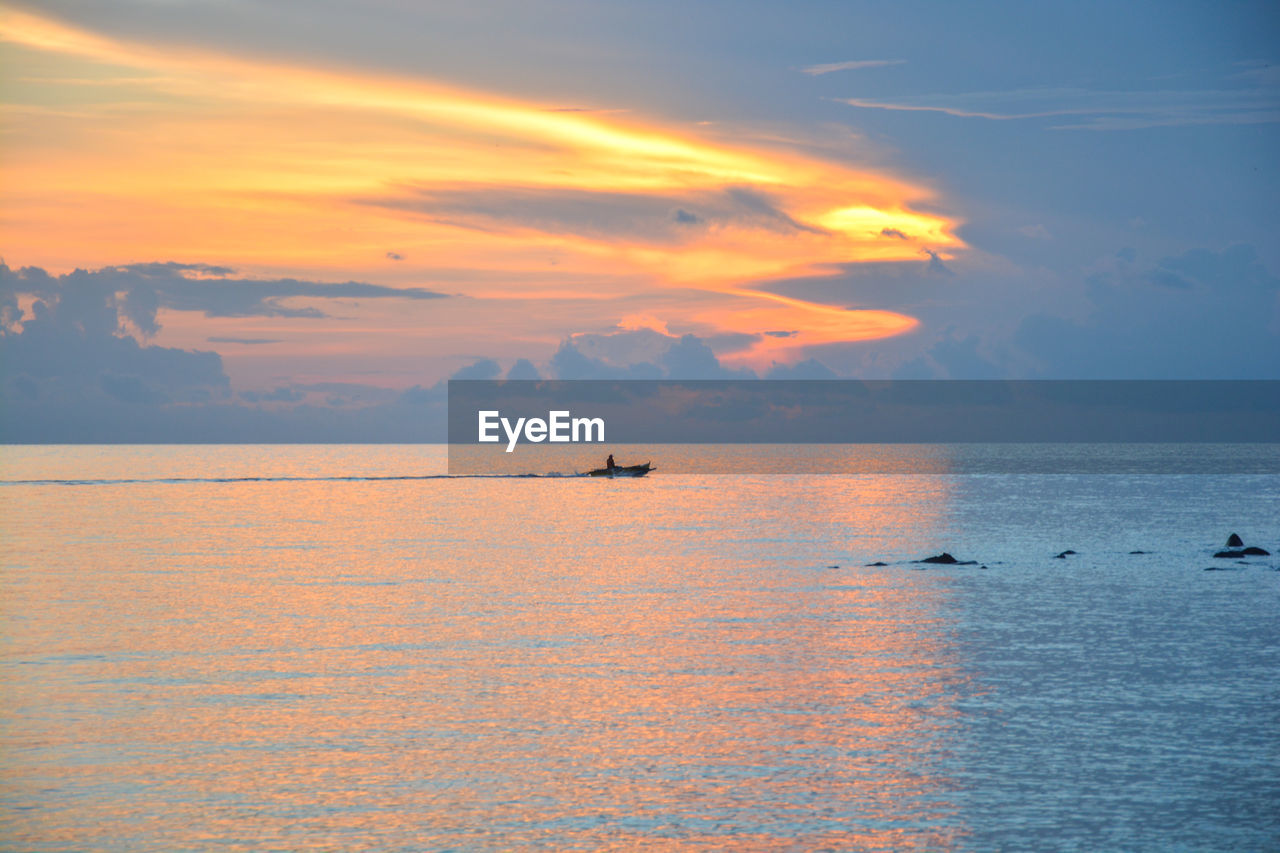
(122, 152)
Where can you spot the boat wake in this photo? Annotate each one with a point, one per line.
(336, 479)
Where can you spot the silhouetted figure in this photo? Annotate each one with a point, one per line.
(609, 464)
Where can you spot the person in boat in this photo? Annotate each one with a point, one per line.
(608, 465)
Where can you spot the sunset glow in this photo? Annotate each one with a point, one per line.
(138, 151)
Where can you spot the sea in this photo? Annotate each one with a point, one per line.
(341, 647)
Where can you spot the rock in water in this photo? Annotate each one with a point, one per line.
(946, 559)
(1255, 551)
(1229, 555)
(1064, 555)
(1234, 541)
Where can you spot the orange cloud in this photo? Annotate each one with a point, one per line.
(127, 151)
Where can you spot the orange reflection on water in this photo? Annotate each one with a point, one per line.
(578, 664)
(795, 704)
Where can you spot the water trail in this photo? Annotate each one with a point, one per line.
(331, 479)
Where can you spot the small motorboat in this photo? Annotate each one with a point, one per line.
(622, 471)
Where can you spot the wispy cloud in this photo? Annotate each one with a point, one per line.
(851, 65)
(140, 290)
(597, 110)
(242, 341)
(1097, 110)
(605, 217)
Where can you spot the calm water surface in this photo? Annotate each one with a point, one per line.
(195, 660)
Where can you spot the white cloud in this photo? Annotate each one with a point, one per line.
(1097, 110)
(851, 65)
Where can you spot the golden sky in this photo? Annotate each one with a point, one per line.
(546, 221)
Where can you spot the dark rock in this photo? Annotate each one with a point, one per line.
(946, 559)
(1255, 551)
(1229, 555)
(1234, 541)
(1064, 555)
(833, 567)
(877, 564)
(1137, 552)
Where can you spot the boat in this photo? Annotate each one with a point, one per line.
(622, 471)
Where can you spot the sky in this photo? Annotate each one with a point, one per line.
(288, 220)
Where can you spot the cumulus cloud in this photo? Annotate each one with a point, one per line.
(643, 353)
(74, 346)
(74, 365)
(808, 369)
(690, 358)
(523, 369)
(485, 368)
(952, 357)
(570, 363)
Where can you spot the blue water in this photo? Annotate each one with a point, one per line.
(292, 648)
